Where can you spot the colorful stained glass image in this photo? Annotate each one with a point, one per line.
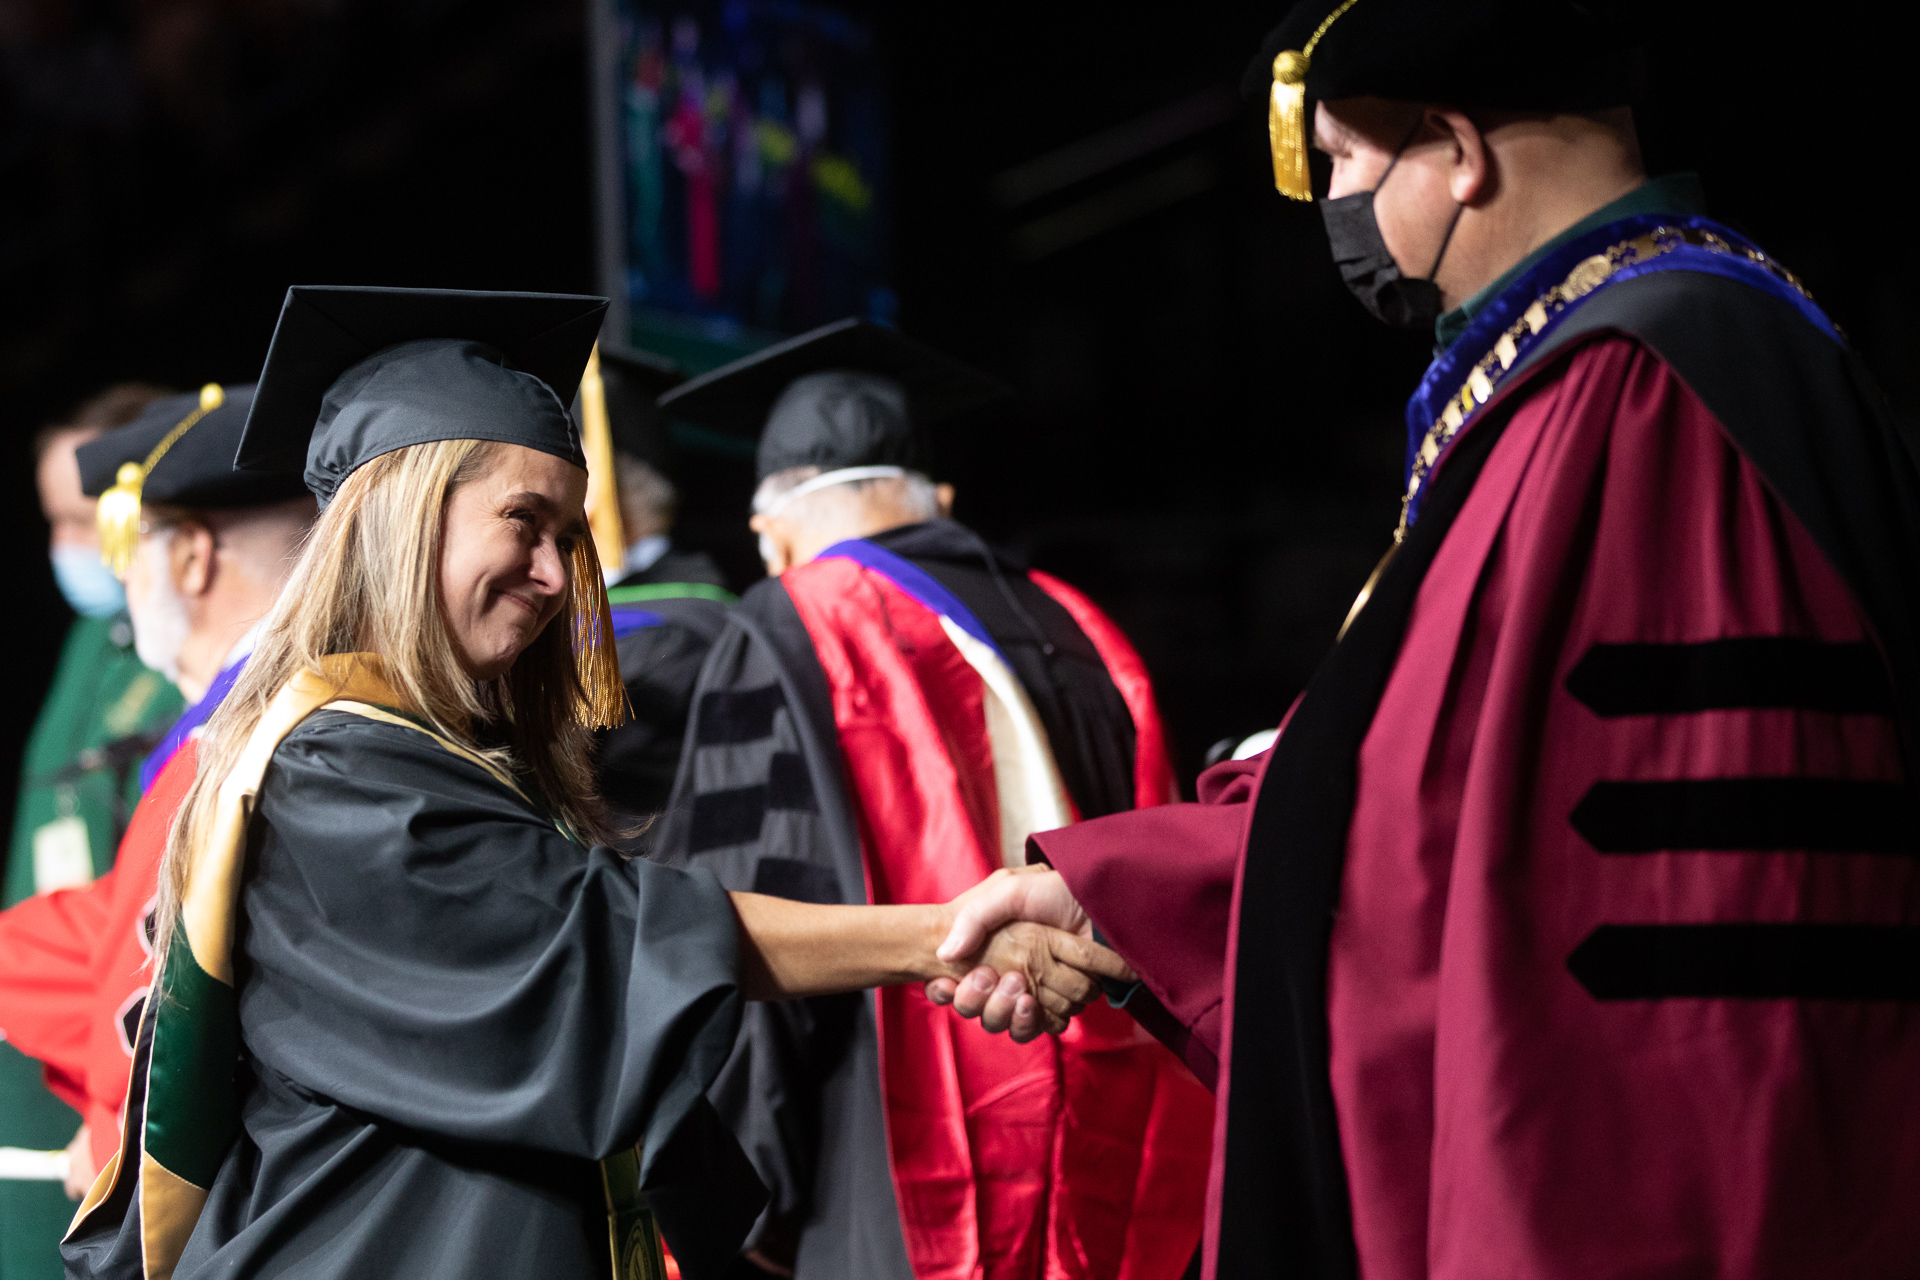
(753, 166)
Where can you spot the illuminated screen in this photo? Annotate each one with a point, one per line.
(750, 142)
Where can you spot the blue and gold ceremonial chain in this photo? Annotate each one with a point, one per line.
(1635, 255)
(1587, 275)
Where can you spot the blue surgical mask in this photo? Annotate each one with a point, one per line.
(87, 583)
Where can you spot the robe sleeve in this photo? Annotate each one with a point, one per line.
(420, 944)
(46, 980)
(1158, 885)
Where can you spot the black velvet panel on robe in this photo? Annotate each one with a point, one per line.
(762, 800)
(449, 1013)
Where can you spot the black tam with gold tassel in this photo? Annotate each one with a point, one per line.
(178, 454)
(1516, 55)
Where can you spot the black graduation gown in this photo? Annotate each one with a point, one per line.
(449, 1012)
(659, 664)
(802, 1090)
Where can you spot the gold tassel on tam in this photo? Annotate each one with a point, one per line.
(1287, 114)
(596, 660)
(118, 512)
(603, 481)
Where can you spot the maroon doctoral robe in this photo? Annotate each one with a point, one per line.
(1528, 1080)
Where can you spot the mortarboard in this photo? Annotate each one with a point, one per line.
(355, 373)
(848, 394)
(179, 453)
(1514, 55)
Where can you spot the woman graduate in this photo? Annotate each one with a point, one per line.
(414, 1020)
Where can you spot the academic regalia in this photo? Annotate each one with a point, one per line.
(74, 965)
(75, 968)
(78, 784)
(70, 967)
(1569, 927)
(885, 724)
(667, 612)
(413, 1026)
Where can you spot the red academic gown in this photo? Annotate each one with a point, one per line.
(1527, 1080)
(74, 966)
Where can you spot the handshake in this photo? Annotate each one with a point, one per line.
(1034, 962)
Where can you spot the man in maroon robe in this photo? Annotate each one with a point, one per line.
(1569, 927)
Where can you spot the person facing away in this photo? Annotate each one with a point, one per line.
(408, 1019)
(1572, 925)
(204, 550)
(78, 783)
(668, 603)
(885, 719)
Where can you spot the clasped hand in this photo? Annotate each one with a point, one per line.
(1036, 964)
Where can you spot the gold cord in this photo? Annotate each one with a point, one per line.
(117, 515)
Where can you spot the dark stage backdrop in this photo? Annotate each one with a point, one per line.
(1209, 433)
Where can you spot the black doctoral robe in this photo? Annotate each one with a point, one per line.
(659, 665)
(802, 1090)
(449, 1012)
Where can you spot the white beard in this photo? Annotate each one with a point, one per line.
(160, 623)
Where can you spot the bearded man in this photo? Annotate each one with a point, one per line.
(204, 551)
(1569, 927)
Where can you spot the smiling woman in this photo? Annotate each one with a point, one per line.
(512, 526)
(413, 1019)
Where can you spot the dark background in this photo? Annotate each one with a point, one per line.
(1209, 434)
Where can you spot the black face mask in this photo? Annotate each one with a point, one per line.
(1370, 271)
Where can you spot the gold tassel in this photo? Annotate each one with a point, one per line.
(596, 661)
(117, 515)
(118, 518)
(1287, 112)
(1287, 126)
(603, 479)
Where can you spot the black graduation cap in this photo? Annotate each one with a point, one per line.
(177, 453)
(354, 373)
(633, 382)
(1514, 55)
(848, 394)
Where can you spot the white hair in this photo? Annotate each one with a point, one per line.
(844, 501)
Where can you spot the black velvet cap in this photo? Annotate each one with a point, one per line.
(848, 394)
(197, 469)
(354, 373)
(1515, 55)
(634, 382)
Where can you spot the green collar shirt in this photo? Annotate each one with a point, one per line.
(1679, 194)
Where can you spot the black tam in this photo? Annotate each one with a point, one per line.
(195, 469)
(848, 394)
(1515, 55)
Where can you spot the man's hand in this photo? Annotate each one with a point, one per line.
(1035, 893)
(80, 1170)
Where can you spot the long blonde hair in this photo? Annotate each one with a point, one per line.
(368, 581)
